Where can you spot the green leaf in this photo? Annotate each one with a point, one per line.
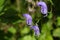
(50, 15)
(49, 25)
(56, 32)
(12, 30)
(58, 21)
(45, 36)
(46, 27)
(28, 37)
(25, 30)
(45, 32)
(1, 4)
(18, 21)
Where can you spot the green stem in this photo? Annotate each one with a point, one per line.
(18, 5)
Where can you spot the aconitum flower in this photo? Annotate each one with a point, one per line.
(36, 30)
(44, 9)
(28, 19)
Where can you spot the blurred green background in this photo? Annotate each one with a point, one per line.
(13, 25)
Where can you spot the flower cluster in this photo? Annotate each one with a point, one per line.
(29, 22)
(29, 18)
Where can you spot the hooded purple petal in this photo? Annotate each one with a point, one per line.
(28, 19)
(44, 9)
(27, 16)
(36, 30)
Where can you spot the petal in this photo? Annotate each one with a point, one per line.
(29, 21)
(35, 27)
(27, 16)
(36, 30)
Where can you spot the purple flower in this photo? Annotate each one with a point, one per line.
(28, 19)
(36, 30)
(43, 5)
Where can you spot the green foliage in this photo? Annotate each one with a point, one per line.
(1, 4)
(28, 37)
(58, 21)
(25, 30)
(56, 32)
(13, 25)
(45, 36)
(12, 30)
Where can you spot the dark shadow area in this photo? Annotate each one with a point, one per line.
(56, 38)
(54, 26)
(2, 34)
(18, 35)
(44, 20)
(56, 8)
(56, 13)
(9, 16)
(9, 35)
(12, 1)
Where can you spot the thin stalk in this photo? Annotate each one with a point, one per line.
(18, 5)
